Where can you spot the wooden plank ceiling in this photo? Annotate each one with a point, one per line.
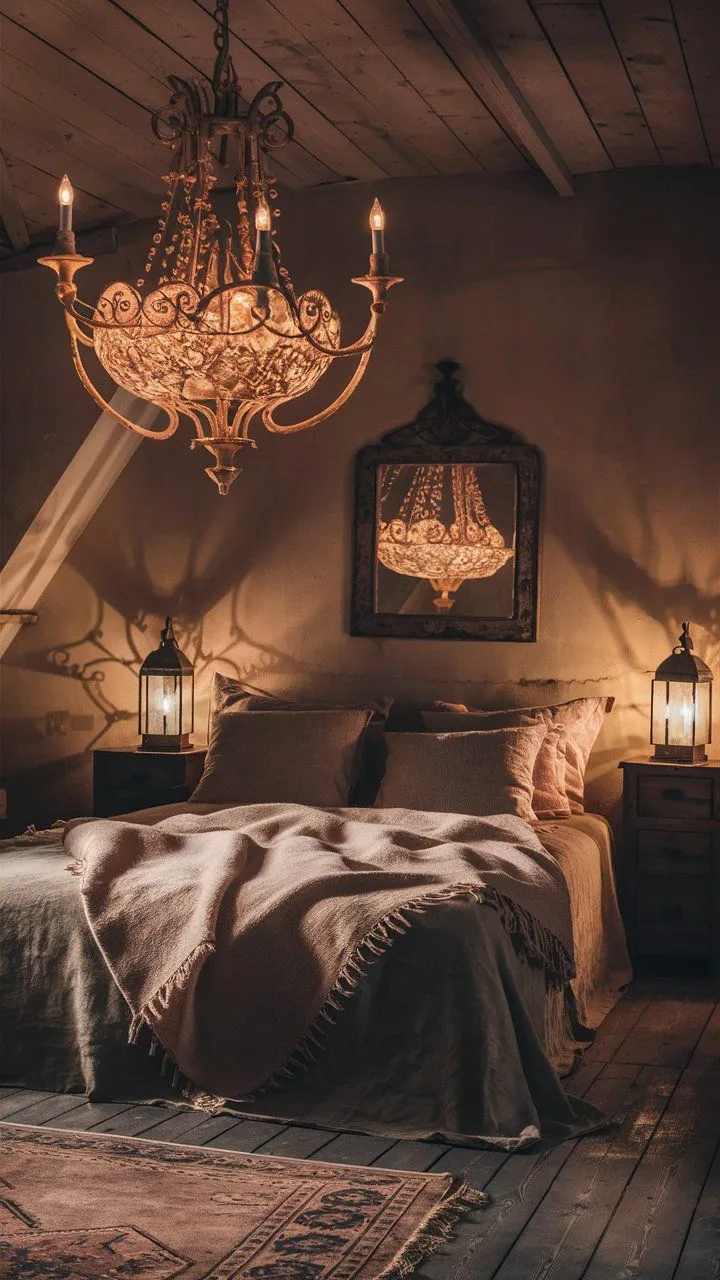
(377, 88)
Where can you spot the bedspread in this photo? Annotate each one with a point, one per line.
(445, 1035)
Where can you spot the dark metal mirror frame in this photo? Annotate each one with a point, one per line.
(448, 430)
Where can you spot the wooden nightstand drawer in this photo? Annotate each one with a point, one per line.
(128, 779)
(675, 904)
(671, 853)
(669, 795)
(138, 770)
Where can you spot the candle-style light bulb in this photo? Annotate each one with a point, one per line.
(378, 256)
(264, 269)
(66, 196)
(262, 217)
(377, 228)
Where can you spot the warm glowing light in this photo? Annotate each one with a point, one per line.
(377, 217)
(65, 191)
(214, 329)
(681, 704)
(262, 217)
(421, 544)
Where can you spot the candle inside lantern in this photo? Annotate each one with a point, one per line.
(66, 196)
(377, 228)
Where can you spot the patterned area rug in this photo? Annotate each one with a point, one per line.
(75, 1206)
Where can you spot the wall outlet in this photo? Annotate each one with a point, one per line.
(3, 804)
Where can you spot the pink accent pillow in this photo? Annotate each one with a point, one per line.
(480, 773)
(549, 799)
(582, 720)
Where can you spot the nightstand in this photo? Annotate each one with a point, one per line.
(669, 874)
(125, 778)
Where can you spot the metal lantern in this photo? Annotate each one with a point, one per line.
(166, 714)
(681, 705)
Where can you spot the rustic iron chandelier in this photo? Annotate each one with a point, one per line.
(420, 543)
(214, 329)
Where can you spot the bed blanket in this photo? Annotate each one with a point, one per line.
(239, 936)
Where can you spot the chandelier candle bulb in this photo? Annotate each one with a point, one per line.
(66, 196)
(377, 227)
(264, 269)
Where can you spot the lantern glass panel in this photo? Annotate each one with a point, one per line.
(681, 713)
(673, 713)
(703, 716)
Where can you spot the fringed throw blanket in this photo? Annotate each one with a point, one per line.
(238, 936)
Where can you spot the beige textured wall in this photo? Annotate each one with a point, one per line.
(588, 325)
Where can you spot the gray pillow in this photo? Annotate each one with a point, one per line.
(483, 772)
(292, 757)
(230, 693)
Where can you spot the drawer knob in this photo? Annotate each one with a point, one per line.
(674, 852)
(672, 913)
(673, 793)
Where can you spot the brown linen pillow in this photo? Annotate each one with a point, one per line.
(230, 694)
(290, 757)
(582, 719)
(549, 799)
(481, 772)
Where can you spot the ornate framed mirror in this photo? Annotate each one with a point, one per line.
(446, 529)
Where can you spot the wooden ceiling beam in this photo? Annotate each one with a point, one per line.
(519, 40)
(416, 54)
(11, 212)
(457, 30)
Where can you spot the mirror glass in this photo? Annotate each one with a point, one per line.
(445, 539)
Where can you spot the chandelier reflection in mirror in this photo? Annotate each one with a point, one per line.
(214, 329)
(442, 531)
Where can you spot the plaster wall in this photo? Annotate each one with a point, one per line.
(588, 325)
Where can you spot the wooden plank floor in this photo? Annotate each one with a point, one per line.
(639, 1201)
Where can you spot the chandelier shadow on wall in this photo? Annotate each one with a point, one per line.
(214, 330)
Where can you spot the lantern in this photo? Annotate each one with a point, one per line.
(166, 713)
(681, 705)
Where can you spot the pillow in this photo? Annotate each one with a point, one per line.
(582, 720)
(291, 757)
(480, 772)
(549, 799)
(230, 694)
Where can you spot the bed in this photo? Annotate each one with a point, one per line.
(450, 1001)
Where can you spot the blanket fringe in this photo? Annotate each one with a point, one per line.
(532, 941)
(151, 1010)
(435, 1231)
(535, 944)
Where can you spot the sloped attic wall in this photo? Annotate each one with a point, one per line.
(588, 325)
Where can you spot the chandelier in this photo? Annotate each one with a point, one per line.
(214, 330)
(420, 544)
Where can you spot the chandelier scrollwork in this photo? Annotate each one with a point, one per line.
(213, 330)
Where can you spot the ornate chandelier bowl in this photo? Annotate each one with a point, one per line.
(418, 544)
(214, 331)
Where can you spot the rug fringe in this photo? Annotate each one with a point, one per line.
(435, 1231)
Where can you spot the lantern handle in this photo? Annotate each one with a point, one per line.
(685, 640)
